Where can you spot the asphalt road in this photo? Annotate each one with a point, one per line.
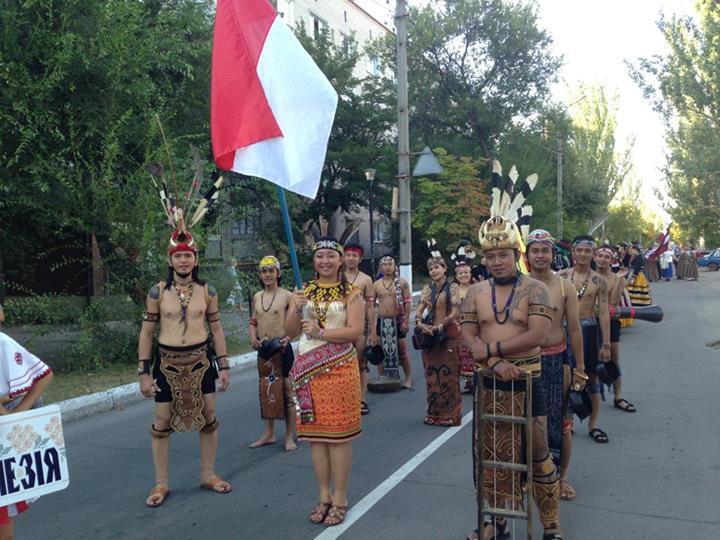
(658, 478)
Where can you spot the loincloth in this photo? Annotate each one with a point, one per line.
(183, 375)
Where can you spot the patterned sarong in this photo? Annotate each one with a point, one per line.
(639, 290)
(552, 379)
(442, 377)
(272, 387)
(467, 364)
(389, 343)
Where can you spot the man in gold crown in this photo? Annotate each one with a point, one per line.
(190, 356)
(504, 322)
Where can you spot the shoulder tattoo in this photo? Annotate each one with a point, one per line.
(154, 292)
(212, 291)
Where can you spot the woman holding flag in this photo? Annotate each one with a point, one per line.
(329, 317)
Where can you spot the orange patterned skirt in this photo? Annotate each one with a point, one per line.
(336, 406)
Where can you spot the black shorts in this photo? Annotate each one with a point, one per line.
(591, 345)
(398, 325)
(539, 401)
(615, 328)
(207, 385)
(288, 358)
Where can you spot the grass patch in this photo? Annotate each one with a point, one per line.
(67, 385)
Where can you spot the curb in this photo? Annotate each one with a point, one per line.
(127, 394)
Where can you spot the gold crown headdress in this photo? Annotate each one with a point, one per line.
(177, 209)
(509, 221)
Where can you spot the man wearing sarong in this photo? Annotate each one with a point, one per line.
(592, 294)
(557, 375)
(616, 286)
(267, 323)
(353, 275)
(23, 380)
(393, 315)
(185, 364)
(505, 320)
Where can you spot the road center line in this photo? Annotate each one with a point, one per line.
(372, 498)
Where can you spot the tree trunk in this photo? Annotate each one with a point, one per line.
(98, 271)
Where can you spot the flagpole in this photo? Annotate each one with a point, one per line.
(289, 235)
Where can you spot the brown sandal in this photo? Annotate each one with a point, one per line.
(336, 514)
(214, 483)
(161, 490)
(320, 512)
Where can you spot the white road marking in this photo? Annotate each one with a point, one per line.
(372, 498)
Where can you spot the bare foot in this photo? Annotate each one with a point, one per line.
(264, 441)
(290, 445)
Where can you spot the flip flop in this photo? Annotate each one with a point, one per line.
(163, 491)
(337, 514)
(216, 481)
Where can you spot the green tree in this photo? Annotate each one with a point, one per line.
(684, 86)
(454, 205)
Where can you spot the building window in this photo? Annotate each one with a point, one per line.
(380, 232)
(348, 45)
(373, 65)
(245, 226)
(319, 25)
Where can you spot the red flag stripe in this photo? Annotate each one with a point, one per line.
(240, 114)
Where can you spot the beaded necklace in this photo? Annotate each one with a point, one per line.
(322, 295)
(262, 301)
(184, 303)
(584, 285)
(506, 309)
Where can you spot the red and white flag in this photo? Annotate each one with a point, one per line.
(663, 243)
(272, 108)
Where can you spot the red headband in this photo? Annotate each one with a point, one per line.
(354, 249)
(182, 241)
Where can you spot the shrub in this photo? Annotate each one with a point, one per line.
(43, 309)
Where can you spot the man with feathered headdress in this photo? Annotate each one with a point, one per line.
(191, 354)
(505, 321)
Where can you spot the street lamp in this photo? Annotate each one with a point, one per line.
(370, 177)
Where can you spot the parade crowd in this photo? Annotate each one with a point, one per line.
(520, 309)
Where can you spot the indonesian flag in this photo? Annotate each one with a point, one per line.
(663, 242)
(272, 108)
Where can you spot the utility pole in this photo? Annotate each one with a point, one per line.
(403, 176)
(559, 187)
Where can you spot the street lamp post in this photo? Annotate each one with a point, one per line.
(370, 177)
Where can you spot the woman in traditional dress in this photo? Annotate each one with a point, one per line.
(463, 280)
(23, 380)
(329, 317)
(692, 273)
(436, 317)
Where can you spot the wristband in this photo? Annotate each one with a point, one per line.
(497, 361)
(605, 346)
(146, 367)
(580, 375)
(498, 349)
(487, 350)
(321, 334)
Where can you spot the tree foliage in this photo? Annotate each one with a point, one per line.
(684, 86)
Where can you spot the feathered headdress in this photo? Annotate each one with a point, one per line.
(177, 209)
(323, 236)
(435, 255)
(509, 221)
(461, 257)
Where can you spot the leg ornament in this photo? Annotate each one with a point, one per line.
(211, 427)
(546, 492)
(159, 434)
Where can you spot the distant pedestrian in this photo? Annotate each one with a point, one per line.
(666, 265)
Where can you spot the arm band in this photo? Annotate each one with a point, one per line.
(253, 322)
(150, 317)
(146, 367)
(213, 317)
(487, 351)
(498, 349)
(540, 309)
(468, 317)
(222, 362)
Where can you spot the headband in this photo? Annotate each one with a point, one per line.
(182, 241)
(387, 258)
(541, 236)
(328, 243)
(436, 260)
(269, 261)
(354, 249)
(585, 243)
(606, 248)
